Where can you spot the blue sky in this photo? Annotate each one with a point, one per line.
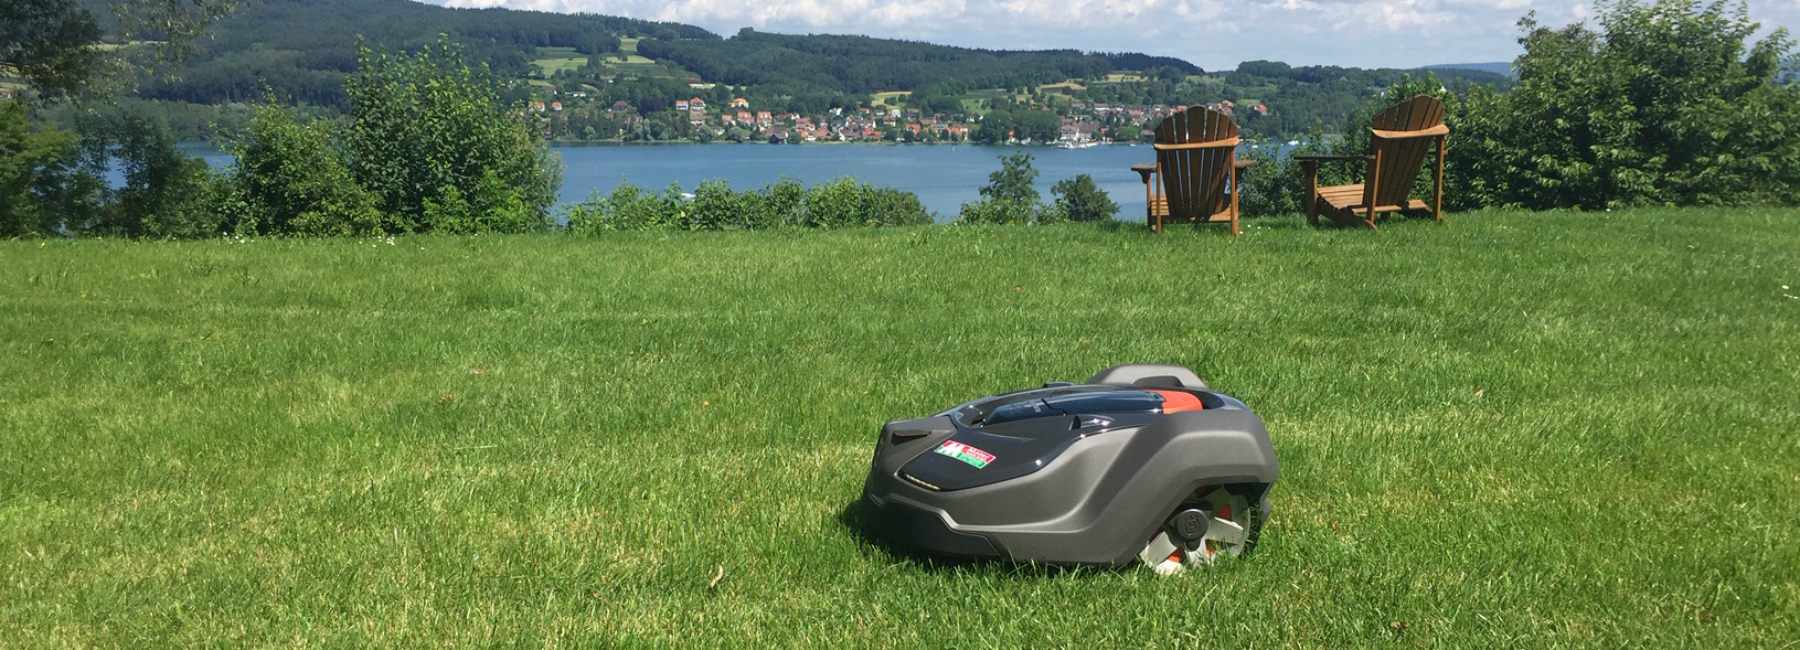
(1214, 34)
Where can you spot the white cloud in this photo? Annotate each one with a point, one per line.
(1215, 34)
(1509, 5)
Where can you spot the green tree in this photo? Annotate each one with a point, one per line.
(1037, 126)
(427, 132)
(1010, 197)
(995, 128)
(48, 43)
(1082, 200)
(165, 192)
(1013, 181)
(36, 166)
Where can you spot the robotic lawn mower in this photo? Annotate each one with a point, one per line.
(1141, 464)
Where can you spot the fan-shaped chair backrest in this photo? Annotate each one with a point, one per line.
(1401, 136)
(1195, 151)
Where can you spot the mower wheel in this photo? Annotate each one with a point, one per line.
(1232, 528)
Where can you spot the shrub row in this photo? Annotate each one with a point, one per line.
(842, 203)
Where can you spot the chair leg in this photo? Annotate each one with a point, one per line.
(1311, 198)
(1150, 215)
(1437, 209)
(1372, 189)
(1237, 187)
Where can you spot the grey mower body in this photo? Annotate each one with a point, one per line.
(1076, 473)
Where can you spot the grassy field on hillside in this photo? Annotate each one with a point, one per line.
(1513, 430)
(552, 60)
(879, 100)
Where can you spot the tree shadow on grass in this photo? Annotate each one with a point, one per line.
(855, 518)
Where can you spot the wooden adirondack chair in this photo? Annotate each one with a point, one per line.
(1196, 158)
(1399, 139)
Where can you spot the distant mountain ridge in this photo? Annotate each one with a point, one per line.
(1496, 67)
(303, 49)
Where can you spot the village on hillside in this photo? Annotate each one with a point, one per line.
(578, 116)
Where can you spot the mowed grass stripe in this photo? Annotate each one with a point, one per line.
(1525, 429)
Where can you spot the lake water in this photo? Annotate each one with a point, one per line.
(943, 176)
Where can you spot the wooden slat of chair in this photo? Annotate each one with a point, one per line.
(1350, 197)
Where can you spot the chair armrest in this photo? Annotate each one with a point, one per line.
(1439, 130)
(1145, 171)
(1331, 158)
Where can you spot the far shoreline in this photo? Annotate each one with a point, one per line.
(881, 143)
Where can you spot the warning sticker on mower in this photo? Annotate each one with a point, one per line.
(965, 453)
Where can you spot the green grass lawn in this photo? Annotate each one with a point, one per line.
(1513, 430)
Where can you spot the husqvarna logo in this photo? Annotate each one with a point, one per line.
(965, 453)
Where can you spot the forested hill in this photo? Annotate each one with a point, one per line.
(864, 65)
(302, 49)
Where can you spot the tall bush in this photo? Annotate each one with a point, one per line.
(782, 204)
(844, 203)
(432, 141)
(290, 178)
(626, 208)
(886, 206)
(717, 207)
